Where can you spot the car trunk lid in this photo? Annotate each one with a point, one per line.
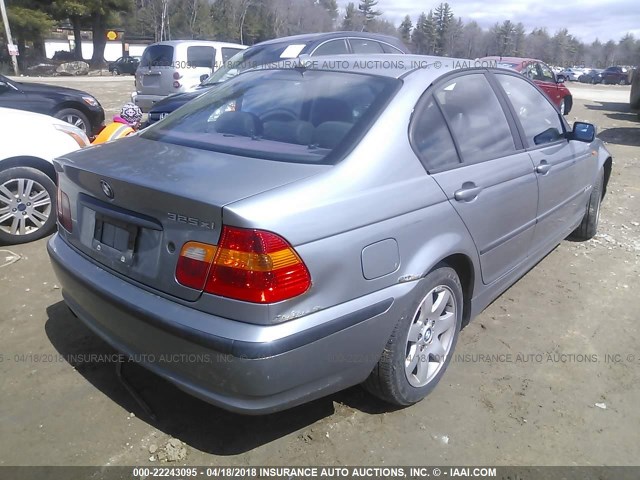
(133, 212)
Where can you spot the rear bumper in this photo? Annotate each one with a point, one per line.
(145, 102)
(260, 369)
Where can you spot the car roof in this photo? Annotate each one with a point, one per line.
(318, 37)
(384, 64)
(174, 43)
(519, 62)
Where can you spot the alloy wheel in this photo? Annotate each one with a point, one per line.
(25, 206)
(75, 120)
(430, 336)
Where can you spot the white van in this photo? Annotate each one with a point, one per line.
(176, 66)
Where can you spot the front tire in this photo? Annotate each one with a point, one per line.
(565, 105)
(27, 205)
(589, 225)
(115, 72)
(75, 118)
(420, 347)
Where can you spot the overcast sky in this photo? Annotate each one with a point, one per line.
(585, 19)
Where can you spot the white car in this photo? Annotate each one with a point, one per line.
(571, 74)
(28, 144)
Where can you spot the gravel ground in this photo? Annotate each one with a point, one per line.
(548, 374)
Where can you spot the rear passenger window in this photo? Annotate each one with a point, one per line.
(476, 118)
(540, 120)
(200, 56)
(431, 138)
(334, 47)
(361, 45)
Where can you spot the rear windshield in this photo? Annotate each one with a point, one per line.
(254, 57)
(284, 115)
(200, 56)
(228, 53)
(157, 56)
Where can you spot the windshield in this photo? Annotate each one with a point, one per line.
(284, 115)
(254, 57)
(508, 65)
(157, 56)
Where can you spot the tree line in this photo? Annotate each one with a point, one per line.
(436, 32)
(439, 32)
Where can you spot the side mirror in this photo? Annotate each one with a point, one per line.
(583, 132)
(560, 80)
(203, 77)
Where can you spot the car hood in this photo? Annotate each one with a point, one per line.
(44, 88)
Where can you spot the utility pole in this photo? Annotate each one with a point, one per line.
(14, 58)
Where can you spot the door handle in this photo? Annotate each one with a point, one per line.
(543, 168)
(467, 193)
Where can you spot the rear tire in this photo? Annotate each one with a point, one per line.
(420, 347)
(115, 72)
(589, 225)
(27, 205)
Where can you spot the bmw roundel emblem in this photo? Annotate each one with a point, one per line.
(106, 189)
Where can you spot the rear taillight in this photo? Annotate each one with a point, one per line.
(176, 84)
(249, 265)
(64, 210)
(177, 76)
(194, 264)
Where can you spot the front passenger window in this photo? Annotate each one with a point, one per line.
(540, 120)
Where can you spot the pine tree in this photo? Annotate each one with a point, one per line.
(418, 37)
(350, 20)
(443, 17)
(404, 30)
(367, 9)
(331, 6)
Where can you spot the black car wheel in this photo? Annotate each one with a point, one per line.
(420, 347)
(589, 225)
(75, 118)
(27, 205)
(115, 71)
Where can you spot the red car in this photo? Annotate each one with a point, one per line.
(542, 76)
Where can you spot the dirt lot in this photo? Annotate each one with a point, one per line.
(567, 335)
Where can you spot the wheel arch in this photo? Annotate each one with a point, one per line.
(464, 268)
(608, 167)
(71, 104)
(44, 166)
(568, 103)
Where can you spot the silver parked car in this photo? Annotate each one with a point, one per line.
(177, 66)
(306, 228)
